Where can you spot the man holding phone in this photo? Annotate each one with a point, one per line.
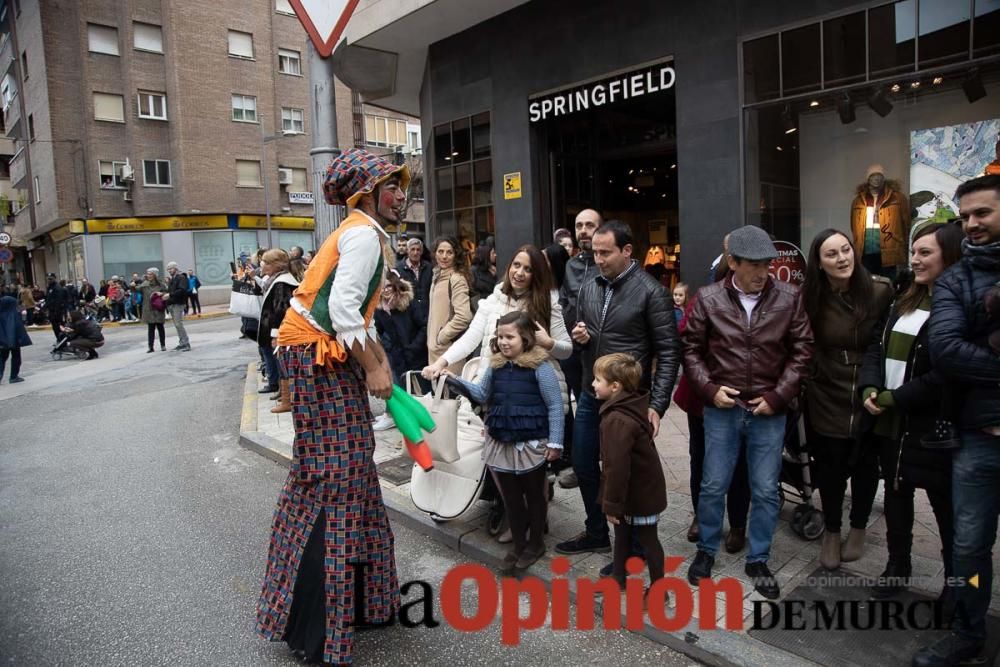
(746, 346)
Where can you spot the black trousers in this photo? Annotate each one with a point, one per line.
(524, 497)
(194, 303)
(15, 361)
(899, 505)
(573, 370)
(56, 319)
(833, 467)
(156, 326)
(646, 536)
(738, 497)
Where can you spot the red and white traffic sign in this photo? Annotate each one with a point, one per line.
(324, 21)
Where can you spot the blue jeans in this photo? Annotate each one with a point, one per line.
(270, 365)
(975, 492)
(586, 455)
(725, 432)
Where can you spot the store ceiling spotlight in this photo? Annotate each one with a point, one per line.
(845, 109)
(879, 102)
(972, 84)
(787, 121)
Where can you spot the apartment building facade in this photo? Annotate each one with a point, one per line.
(149, 131)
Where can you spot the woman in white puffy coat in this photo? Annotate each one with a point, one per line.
(527, 286)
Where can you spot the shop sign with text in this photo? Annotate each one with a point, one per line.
(300, 197)
(608, 90)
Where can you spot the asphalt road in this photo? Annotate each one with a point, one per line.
(134, 529)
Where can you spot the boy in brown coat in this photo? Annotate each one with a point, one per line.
(633, 491)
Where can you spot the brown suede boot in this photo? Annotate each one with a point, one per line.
(285, 400)
(854, 545)
(829, 551)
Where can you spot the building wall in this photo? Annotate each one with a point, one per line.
(539, 46)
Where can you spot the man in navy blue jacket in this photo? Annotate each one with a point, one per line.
(959, 330)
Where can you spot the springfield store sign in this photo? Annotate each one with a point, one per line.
(607, 90)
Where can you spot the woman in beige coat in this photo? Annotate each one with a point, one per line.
(450, 309)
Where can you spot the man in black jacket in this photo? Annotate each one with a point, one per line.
(580, 269)
(623, 309)
(959, 329)
(417, 271)
(56, 303)
(177, 292)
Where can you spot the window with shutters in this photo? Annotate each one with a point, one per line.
(147, 37)
(245, 108)
(240, 44)
(289, 62)
(102, 39)
(291, 121)
(109, 107)
(156, 173)
(248, 173)
(152, 105)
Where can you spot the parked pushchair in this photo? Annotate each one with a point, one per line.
(796, 479)
(62, 349)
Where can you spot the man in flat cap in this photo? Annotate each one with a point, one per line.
(330, 517)
(746, 349)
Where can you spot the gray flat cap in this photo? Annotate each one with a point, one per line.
(752, 243)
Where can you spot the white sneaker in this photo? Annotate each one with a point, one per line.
(384, 423)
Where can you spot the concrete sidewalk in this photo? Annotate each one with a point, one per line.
(793, 559)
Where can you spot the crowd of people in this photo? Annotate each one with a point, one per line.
(580, 351)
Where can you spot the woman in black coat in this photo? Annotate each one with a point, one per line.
(905, 393)
(276, 265)
(402, 329)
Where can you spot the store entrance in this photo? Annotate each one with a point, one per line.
(620, 159)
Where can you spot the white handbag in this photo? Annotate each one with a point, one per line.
(443, 440)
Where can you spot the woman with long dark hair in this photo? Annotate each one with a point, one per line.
(557, 257)
(844, 302)
(450, 308)
(484, 273)
(906, 394)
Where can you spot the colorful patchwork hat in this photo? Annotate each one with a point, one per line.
(355, 173)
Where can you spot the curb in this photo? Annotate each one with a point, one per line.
(115, 325)
(719, 648)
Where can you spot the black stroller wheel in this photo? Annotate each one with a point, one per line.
(814, 525)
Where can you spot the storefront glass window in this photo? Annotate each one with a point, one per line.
(844, 50)
(213, 251)
(303, 240)
(800, 60)
(761, 69)
(892, 31)
(944, 32)
(131, 253)
(986, 28)
(463, 184)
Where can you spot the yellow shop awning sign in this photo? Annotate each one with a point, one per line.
(277, 222)
(164, 224)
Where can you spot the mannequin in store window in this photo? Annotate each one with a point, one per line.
(993, 168)
(880, 223)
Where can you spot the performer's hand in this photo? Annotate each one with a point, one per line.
(379, 382)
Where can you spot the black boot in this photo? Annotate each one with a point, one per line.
(894, 580)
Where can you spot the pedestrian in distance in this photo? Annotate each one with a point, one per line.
(56, 303)
(484, 274)
(524, 426)
(177, 296)
(416, 270)
(747, 346)
(330, 513)
(276, 266)
(844, 303)
(633, 490)
(13, 336)
(194, 301)
(402, 329)
(154, 291)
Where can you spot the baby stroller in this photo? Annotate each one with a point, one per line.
(795, 479)
(62, 348)
(459, 476)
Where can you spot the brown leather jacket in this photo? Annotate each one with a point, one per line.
(766, 358)
(893, 212)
